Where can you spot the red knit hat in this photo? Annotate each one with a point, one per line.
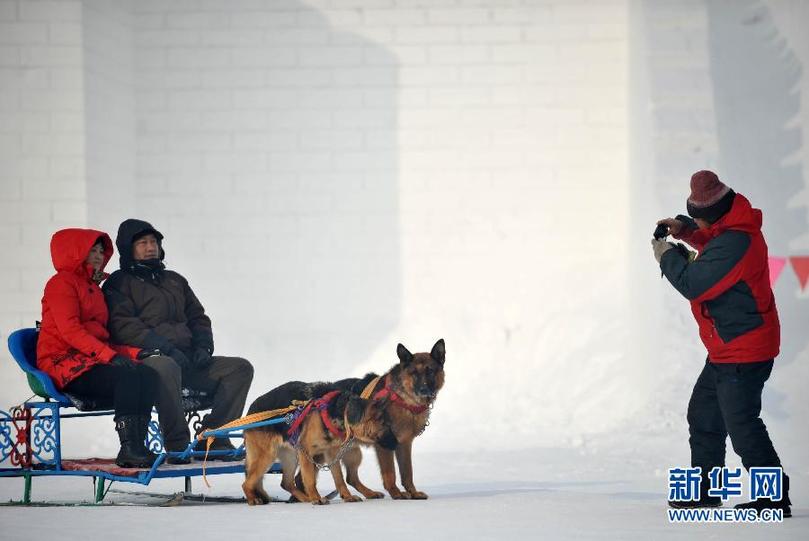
(710, 198)
(706, 189)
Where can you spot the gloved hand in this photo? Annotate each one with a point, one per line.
(179, 358)
(122, 361)
(675, 225)
(660, 247)
(202, 358)
(145, 353)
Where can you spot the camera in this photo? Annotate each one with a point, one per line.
(661, 232)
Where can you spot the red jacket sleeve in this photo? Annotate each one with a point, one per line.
(63, 302)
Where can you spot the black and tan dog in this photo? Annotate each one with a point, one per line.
(331, 418)
(405, 393)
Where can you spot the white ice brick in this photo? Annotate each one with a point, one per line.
(272, 19)
(343, 17)
(459, 16)
(22, 33)
(244, 78)
(426, 34)
(428, 75)
(523, 15)
(196, 20)
(67, 123)
(261, 57)
(70, 211)
(271, 98)
(49, 100)
(62, 10)
(232, 37)
(57, 55)
(330, 56)
(395, 17)
(148, 20)
(18, 122)
(200, 100)
(523, 53)
(458, 54)
(8, 10)
(492, 75)
(66, 79)
(366, 76)
(164, 37)
(198, 58)
(277, 141)
(9, 56)
(398, 55)
(65, 34)
(49, 190)
(490, 34)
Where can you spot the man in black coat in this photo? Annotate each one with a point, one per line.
(154, 308)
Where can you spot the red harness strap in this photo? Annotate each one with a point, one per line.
(322, 405)
(389, 393)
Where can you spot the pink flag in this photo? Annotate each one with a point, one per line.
(801, 267)
(776, 266)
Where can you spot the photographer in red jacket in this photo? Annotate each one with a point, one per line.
(73, 346)
(728, 285)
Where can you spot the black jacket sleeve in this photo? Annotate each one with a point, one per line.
(198, 322)
(712, 268)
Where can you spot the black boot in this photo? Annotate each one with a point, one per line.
(784, 504)
(132, 454)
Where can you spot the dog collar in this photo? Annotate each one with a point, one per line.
(391, 395)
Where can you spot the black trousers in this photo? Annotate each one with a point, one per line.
(227, 379)
(726, 401)
(131, 391)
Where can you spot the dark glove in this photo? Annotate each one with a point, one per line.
(122, 361)
(145, 353)
(202, 358)
(179, 358)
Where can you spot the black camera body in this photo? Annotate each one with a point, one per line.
(661, 232)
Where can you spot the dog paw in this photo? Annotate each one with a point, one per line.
(351, 499)
(320, 501)
(400, 495)
(417, 495)
(374, 495)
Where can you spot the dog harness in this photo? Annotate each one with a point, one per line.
(321, 405)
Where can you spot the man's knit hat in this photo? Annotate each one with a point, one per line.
(710, 198)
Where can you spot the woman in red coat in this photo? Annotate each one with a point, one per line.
(73, 346)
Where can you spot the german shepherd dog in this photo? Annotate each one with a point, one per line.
(348, 415)
(405, 393)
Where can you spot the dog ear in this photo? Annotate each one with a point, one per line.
(404, 355)
(356, 409)
(439, 351)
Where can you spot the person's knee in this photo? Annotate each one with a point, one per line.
(244, 369)
(165, 367)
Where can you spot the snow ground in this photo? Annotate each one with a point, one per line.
(532, 493)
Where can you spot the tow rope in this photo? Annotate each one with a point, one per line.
(242, 421)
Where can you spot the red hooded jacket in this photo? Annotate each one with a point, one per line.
(73, 336)
(728, 285)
